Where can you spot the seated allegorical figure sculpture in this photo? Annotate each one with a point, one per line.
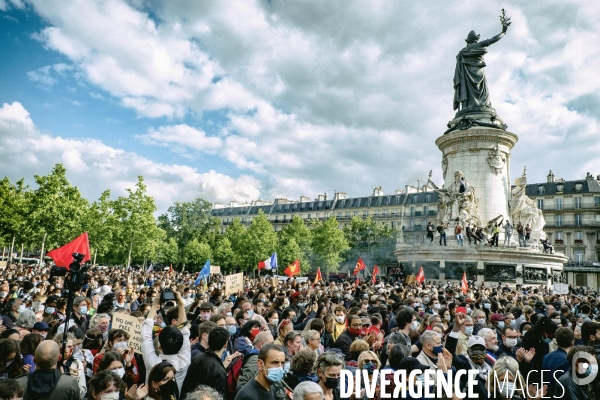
(458, 202)
(525, 210)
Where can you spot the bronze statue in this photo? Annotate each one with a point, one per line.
(470, 85)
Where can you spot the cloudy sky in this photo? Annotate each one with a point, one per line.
(261, 99)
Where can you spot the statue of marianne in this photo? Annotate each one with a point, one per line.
(470, 84)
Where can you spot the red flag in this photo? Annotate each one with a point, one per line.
(318, 277)
(293, 269)
(261, 265)
(63, 256)
(360, 265)
(465, 284)
(420, 276)
(375, 273)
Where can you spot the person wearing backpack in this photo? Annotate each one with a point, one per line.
(207, 368)
(249, 368)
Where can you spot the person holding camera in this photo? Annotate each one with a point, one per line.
(173, 341)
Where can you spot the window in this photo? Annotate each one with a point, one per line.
(559, 204)
(425, 209)
(385, 213)
(597, 201)
(318, 215)
(560, 188)
(541, 190)
(577, 219)
(577, 202)
(413, 199)
(339, 214)
(347, 214)
(597, 218)
(365, 214)
(394, 211)
(412, 211)
(578, 255)
(559, 220)
(559, 236)
(580, 280)
(355, 213)
(428, 198)
(411, 224)
(326, 215)
(578, 235)
(578, 187)
(540, 204)
(394, 225)
(375, 213)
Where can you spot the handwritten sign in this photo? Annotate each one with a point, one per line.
(234, 283)
(560, 288)
(2, 264)
(132, 326)
(215, 269)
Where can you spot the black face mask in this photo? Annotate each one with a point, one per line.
(331, 383)
(169, 389)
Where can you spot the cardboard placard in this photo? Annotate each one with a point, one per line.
(131, 325)
(215, 269)
(3, 264)
(410, 279)
(560, 288)
(234, 283)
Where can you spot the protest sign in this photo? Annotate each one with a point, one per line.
(234, 283)
(215, 270)
(560, 288)
(131, 325)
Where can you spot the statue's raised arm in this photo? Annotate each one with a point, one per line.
(470, 84)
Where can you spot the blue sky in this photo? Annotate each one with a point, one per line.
(254, 99)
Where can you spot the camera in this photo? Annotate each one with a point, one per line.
(166, 295)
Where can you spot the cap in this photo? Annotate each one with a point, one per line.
(461, 310)
(207, 305)
(476, 340)
(296, 294)
(496, 317)
(41, 326)
(539, 303)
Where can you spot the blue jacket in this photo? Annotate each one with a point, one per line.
(554, 362)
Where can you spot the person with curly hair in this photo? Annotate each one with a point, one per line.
(104, 384)
(302, 369)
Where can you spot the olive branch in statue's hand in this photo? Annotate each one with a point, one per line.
(504, 20)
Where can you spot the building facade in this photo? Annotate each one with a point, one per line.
(571, 210)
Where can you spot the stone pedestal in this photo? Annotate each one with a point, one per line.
(482, 155)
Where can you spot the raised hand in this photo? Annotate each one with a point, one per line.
(129, 356)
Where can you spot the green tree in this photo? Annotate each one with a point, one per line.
(328, 244)
(168, 252)
(57, 210)
(138, 236)
(237, 235)
(295, 243)
(14, 203)
(188, 220)
(288, 252)
(261, 241)
(223, 254)
(373, 241)
(195, 254)
(101, 224)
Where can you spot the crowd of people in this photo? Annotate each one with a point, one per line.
(290, 340)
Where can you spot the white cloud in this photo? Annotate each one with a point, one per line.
(330, 95)
(94, 166)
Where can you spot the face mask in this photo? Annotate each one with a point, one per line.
(286, 303)
(83, 310)
(3, 294)
(120, 372)
(416, 305)
(275, 322)
(506, 389)
(250, 313)
(168, 389)
(438, 349)
(331, 383)
(510, 343)
(119, 345)
(469, 330)
(286, 366)
(22, 308)
(447, 318)
(426, 300)
(44, 335)
(556, 321)
(229, 314)
(340, 319)
(437, 306)
(50, 310)
(294, 319)
(301, 304)
(513, 322)
(487, 305)
(206, 316)
(500, 324)
(162, 325)
(481, 321)
(415, 325)
(110, 396)
(232, 330)
(275, 375)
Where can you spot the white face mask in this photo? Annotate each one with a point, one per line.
(481, 321)
(340, 319)
(120, 372)
(415, 325)
(510, 343)
(119, 345)
(110, 396)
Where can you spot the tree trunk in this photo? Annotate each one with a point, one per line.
(42, 252)
(129, 253)
(12, 247)
(3, 253)
(95, 254)
(21, 259)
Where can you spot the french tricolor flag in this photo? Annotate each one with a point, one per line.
(269, 263)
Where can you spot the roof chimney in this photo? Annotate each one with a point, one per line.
(550, 177)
